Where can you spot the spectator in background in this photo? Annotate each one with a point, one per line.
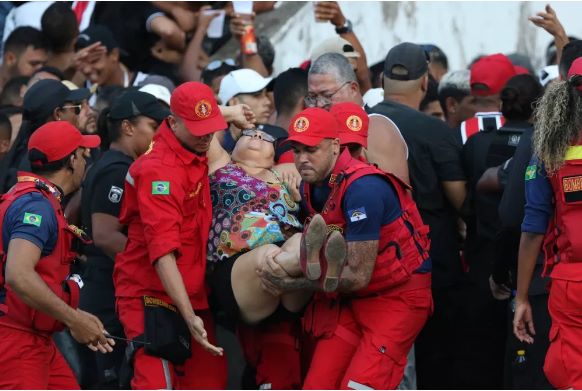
(24, 52)
(47, 100)
(289, 89)
(430, 105)
(5, 135)
(571, 52)
(439, 63)
(454, 94)
(488, 77)
(248, 87)
(215, 71)
(60, 28)
(13, 91)
(266, 51)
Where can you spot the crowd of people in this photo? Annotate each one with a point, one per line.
(399, 225)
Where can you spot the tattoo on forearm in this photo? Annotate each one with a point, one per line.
(360, 265)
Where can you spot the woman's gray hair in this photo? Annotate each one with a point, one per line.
(333, 64)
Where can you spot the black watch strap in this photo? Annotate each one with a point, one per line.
(346, 28)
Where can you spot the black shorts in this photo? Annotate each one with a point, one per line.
(222, 301)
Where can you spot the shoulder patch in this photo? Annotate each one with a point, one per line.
(357, 214)
(32, 219)
(530, 172)
(160, 187)
(115, 194)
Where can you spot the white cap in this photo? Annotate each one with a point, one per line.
(334, 45)
(547, 74)
(160, 92)
(241, 81)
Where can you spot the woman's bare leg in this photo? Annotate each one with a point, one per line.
(254, 302)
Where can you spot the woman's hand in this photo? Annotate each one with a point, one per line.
(523, 325)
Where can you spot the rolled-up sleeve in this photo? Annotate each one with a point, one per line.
(160, 195)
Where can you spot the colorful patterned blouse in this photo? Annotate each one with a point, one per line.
(247, 212)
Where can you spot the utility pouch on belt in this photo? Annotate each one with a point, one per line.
(165, 331)
(321, 316)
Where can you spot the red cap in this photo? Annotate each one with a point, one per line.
(195, 104)
(352, 123)
(576, 69)
(311, 126)
(492, 71)
(57, 139)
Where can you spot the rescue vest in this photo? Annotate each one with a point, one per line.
(481, 121)
(403, 244)
(563, 241)
(53, 268)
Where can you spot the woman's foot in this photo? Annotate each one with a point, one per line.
(334, 257)
(311, 244)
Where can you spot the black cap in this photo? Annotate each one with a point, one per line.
(411, 57)
(274, 131)
(135, 103)
(46, 95)
(96, 33)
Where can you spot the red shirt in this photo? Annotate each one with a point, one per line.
(167, 208)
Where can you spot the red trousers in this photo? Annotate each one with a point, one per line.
(272, 350)
(31, 361)
(201, 371)
(563, 366)
(370, 345)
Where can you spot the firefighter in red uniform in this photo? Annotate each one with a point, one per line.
(552, 222)
(365, 329)
(168, 212)
(37, 295)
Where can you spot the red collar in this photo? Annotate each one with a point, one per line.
(166, 135)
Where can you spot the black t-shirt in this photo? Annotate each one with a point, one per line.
(434, 157)
(103, 192)
(488, 148)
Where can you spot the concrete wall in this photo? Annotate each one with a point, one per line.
(462, 29)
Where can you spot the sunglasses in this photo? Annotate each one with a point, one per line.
(262, 136)
(214, 65)
(76, 107)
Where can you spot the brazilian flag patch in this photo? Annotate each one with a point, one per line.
(530, 172)
(32, 219)
(160, 187)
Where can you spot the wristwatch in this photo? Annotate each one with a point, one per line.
(346, 28)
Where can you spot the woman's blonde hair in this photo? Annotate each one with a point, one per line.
(558, 121)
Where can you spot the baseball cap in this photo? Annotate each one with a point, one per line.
(159, 91)
(77, 94)
(409, 56)
(195, 104)
(55, 140)
(492, 72)
(334, 45)
(96, 33)
(134, 103)
(241, 81)
(576, 69)
(311, 126)
(352, 123)
(46, 95)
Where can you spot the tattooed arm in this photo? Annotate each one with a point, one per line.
(360, 263)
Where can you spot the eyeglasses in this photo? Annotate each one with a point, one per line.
(323, 100)
(214, 65)
(260, 135)
(76, 107)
